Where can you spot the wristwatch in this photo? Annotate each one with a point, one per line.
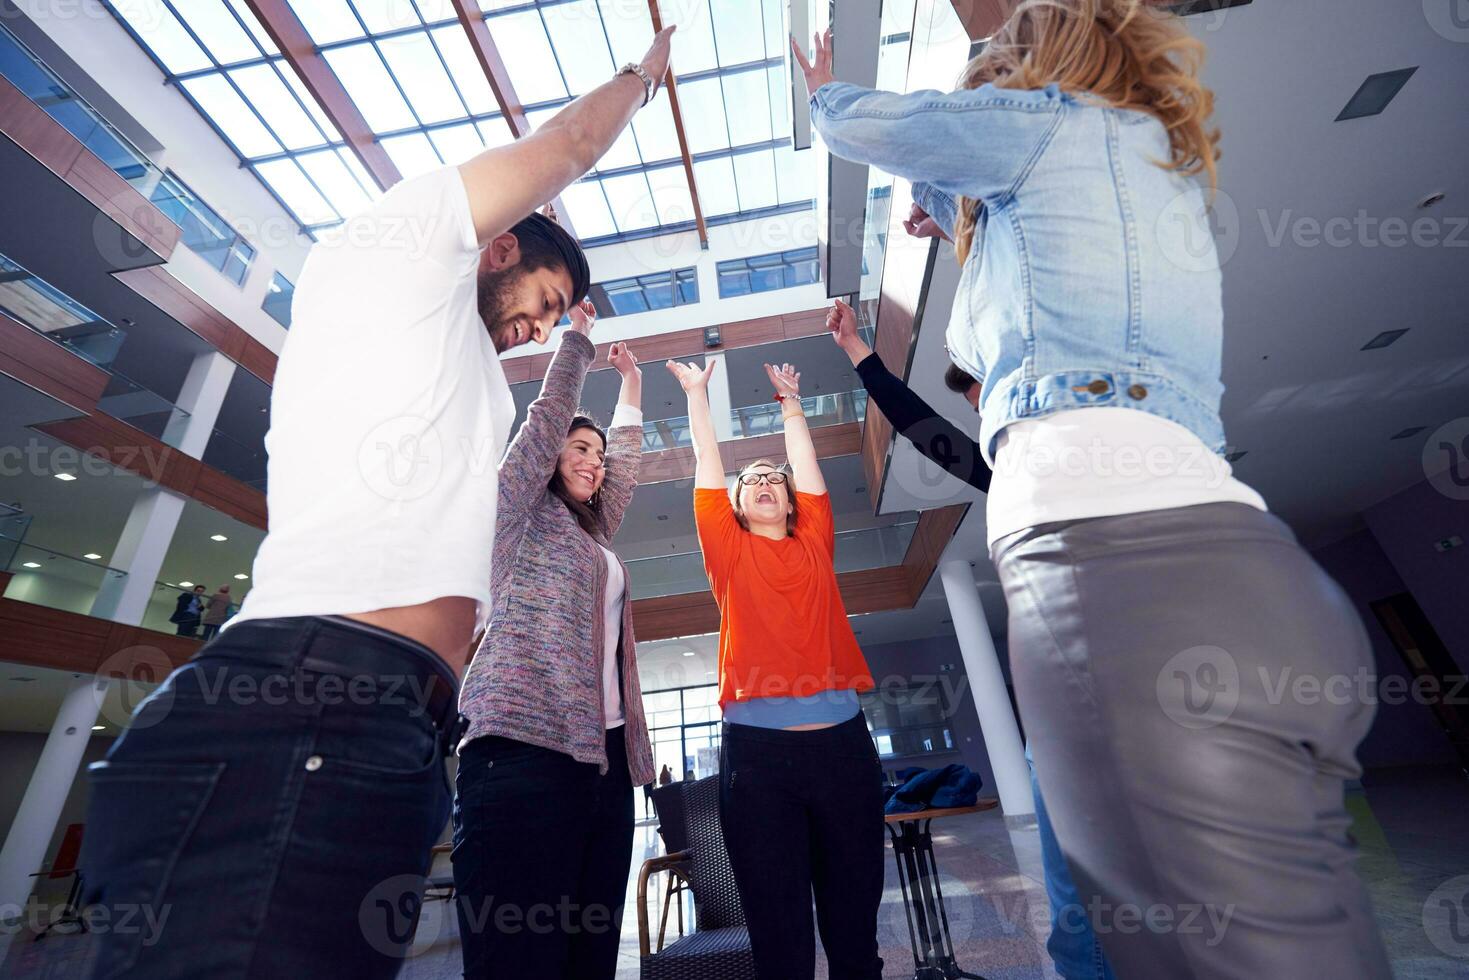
(649, 86)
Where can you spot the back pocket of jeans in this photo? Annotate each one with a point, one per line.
(142, 817)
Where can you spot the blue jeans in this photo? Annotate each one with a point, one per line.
(271, 808)
(1073, 946)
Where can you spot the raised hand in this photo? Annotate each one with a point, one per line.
(624, 360)
(583, 317)
(818, 69)
(920, 225)
(785, 379)
(691, 377)
(655, 62)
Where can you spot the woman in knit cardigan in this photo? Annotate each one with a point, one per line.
(543, 808)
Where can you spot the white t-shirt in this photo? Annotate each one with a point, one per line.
(389, 416)
(1098, 462)
(612, 627)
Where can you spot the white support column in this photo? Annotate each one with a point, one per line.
(202, 395)
(987, 686)
(35, 823)
(720, 406)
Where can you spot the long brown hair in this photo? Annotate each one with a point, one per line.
(1125, 53)
(739, 508)
(588, 514)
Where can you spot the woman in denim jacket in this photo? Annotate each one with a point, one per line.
(1153, 599)
(543, 803)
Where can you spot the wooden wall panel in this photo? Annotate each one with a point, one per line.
(60, 640)
(48, 367)
(258, 359)
(229, 496)
(932, 535)
(45, 139)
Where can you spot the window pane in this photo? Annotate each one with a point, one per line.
(335, 181)
(413, 154)
(278, 299)
(733, 282)
(671, 195)
(287, 180)
(657, 138)
(457, 143)
(773, 14)
(716, 182)
(586, 209)
(626, 297)
(749, 91)
(222, 103)
(309, 101)
(219, 30)
(780, 103)
(522, 42)
(495, 132)
(631, 201)
(364, 179)
(735, 33)
(163, 34)
(264, 88)
(581, 45)
(695, 49)
(382, 16)
(436, 10)
(465, 68)
(327, 20)
(795, 174)
(252, 24)
(622, 153)
(628, 28)
(367, 82)
(412, 58)
(688, 286)
(658, 291)
(702, 105)
(755, 177)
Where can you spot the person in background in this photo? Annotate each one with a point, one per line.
(1072, 945)
(187, 610)
(216, 611)
(666, 776)
(557, 738)
(800, 785)
(1151, 594)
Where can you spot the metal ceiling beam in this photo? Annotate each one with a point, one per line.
(683, 140)
(300, 51)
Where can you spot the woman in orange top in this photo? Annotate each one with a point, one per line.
(800, 782)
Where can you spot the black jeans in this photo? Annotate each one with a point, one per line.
(270, 810)
(802, 813)
(542, 847)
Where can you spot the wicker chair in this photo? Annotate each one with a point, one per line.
(719, 949)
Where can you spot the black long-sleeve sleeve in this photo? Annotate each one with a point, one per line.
(933, 435)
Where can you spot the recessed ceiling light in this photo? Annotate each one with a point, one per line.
(1411, 431)
(1375, 93)
(186, 585)
(663, 517)
(242, 576)
(92, 556)
(29, 564)
(688, 653)
(22, 680)
(218, 537)
(99, 728)
(1384, 339)
(65, 477)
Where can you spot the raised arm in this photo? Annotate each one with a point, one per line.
(624, 441)
(708, 466)
(800, 452)
(509, 182)
(972, 142)
(932, 435)
(531, 458)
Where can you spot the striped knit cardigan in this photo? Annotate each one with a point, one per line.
(537, 675)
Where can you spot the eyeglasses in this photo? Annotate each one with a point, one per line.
(774, 479)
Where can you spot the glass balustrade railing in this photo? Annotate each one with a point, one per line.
(23, 69)
(163, 602)
(56, 580)
(144, 409)
(14, 523)
(759, 420)
(873, 547)
(30, 300)
(234, 458)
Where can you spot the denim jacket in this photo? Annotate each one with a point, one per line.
(1092, 280)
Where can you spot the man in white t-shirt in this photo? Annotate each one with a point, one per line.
(272, 806)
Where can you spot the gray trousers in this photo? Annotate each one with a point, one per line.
(1190, 682)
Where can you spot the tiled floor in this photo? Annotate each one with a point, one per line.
(1413, 827)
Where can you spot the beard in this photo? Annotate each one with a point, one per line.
(494, 293)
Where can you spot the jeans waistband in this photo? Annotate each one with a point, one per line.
(347, 648)
(847, 731)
